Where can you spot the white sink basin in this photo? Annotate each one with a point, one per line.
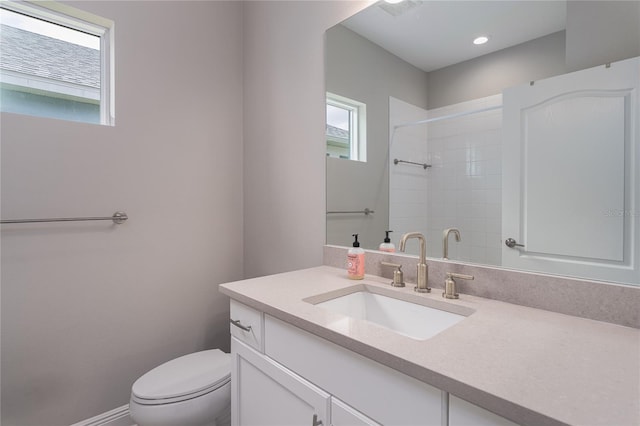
(415, 320)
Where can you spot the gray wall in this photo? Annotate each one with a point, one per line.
(601, 31)
(489, 74)
(284, 152)
(361, 70)
(89, 307)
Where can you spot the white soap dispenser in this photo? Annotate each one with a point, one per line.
(387, 245)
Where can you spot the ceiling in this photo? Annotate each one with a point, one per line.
(434, 34)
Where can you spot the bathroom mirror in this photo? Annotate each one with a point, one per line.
(415, 61)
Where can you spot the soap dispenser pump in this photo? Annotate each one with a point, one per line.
(387, 245)
(355, 261)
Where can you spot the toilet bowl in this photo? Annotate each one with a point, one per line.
(193, 390)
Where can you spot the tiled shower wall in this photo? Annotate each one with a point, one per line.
(462, 188)
(407, 182)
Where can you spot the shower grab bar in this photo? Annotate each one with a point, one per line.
(424, 165)
(117, 218)
(366, 212)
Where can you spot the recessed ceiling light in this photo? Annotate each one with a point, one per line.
(481, 40)
(394, 1)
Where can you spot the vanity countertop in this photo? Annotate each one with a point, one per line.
(529, 365)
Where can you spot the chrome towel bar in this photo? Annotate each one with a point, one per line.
(424, 165)
(366, 212)
(117, 218)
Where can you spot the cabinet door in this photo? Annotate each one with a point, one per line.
(343, 415)
(264, 393)
(463, 413)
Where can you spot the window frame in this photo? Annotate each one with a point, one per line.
(86, 22)
(357, 124)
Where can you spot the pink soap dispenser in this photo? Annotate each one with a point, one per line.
(355, 261)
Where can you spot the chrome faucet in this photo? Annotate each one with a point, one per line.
(422, 285)
(445, 241)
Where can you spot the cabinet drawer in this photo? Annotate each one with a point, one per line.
(247, 325)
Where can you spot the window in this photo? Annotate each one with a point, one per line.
(346, 128)
(55, 61)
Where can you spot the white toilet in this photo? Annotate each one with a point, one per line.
(193, 390)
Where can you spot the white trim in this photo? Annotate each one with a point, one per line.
(116, 417)
(108, 76)
(60, 14)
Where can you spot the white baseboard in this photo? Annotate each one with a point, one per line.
(116, 417)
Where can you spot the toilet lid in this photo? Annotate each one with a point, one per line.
(184, 376)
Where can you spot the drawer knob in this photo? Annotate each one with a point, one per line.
(240, 326)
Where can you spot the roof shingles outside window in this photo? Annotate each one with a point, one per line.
(336, 132)
(33, 54)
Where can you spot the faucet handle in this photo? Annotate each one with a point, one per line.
(461, 276)
(450, 285)
(398, 275)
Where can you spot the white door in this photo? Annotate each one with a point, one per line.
(266, 394)
(570, 174)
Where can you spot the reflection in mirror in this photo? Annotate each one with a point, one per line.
(506, 159)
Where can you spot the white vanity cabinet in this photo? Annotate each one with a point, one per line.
(282, 375)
